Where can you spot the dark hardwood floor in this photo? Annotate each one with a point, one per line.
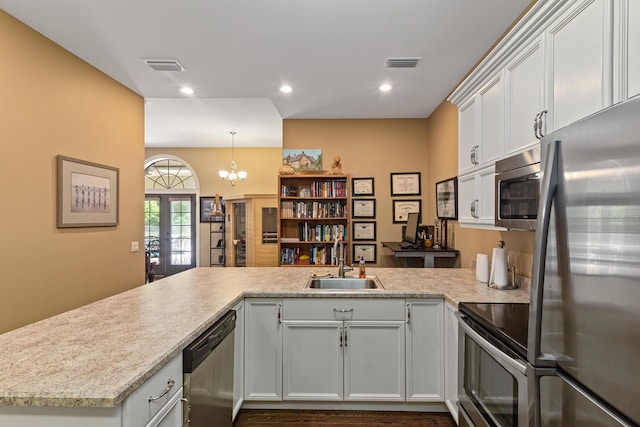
(297, 418)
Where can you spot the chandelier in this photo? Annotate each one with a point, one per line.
(233, 175)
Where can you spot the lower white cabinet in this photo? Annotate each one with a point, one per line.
(451, 359)
(238, 360)
(476, 204)
(425, 352)
(343, 349)
(263, 349)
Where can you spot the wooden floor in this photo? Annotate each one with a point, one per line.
(296, 418)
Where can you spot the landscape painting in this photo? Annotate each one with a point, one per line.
(302, 159)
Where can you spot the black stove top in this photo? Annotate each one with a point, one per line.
(509, 322)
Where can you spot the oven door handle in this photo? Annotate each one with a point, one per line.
(505, 360)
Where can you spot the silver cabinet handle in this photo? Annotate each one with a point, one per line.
(472, 155)
(164, 392)
(474, 208)
(475, 154)
(408, 313)
(541, 123)
(345, 336)
(279, 313)
(535, 126)
(343, 310)
(340, 337)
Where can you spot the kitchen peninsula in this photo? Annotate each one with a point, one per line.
(96, 356)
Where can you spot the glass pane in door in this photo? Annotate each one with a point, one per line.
(181, 238)
(152, 228)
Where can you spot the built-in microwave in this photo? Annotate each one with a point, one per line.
(517, 190)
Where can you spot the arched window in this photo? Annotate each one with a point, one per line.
(168, 174)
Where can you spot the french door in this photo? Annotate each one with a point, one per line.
(170, 232)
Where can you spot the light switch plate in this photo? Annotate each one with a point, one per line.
(134, 247)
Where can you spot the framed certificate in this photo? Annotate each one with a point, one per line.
(363, 208)
(364, 230)
(405, 184)
(362, 186)
(447, 198)
(366, 251)
(402, 207)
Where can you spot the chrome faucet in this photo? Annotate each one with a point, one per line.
(340, 256)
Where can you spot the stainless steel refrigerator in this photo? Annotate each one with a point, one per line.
(584, 318)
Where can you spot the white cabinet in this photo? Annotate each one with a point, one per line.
(343, 349)
(476, 205)
(238, 360)
(313, 360)
(491, 122)
(524, 97)
(263, 349)
(425, 352)
(468, 135)
(451, 359)
(632, 50)
(580, 57)
(374, 360)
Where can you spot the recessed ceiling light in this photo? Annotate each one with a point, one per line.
(186, 90)
(285, 88)
(385, 87)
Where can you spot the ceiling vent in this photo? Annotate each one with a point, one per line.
(402, 62)
(164, 65)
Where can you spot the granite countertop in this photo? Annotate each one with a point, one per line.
(98, 354)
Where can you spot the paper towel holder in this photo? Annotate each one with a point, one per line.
(511, 272)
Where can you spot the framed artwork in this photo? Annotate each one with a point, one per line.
(87, 194)
(362, 187)
(447, 198)
(364, 230)
(405, 184)
(309, 159)
(366, 251)
(402, 207)
(363, 208)
(208, 208)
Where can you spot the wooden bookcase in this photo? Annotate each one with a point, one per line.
(311, 210)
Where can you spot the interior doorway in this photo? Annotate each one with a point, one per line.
(169, 232)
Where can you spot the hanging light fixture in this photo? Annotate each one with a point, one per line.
(233, 175)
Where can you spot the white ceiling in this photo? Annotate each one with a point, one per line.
(237, 53)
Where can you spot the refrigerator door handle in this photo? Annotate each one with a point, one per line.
(548, 191)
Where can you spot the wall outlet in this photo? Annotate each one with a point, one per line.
(134, 247)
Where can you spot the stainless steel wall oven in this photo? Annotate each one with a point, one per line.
(492, 373)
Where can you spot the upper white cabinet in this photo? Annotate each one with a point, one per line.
(524, 97)
(468, 137)
(476, 204)
(631, 19)
(580, 62)
(491, 122)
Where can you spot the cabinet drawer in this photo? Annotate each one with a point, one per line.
(137, 409)
(342, 309)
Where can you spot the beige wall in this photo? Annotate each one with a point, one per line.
(261, 165)
(371, 148)
(443, 152)
(54, 103)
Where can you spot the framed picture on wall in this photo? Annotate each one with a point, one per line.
(447, 198)
(363, 208)
(87, 194)
(209, 210)
(364, 230)
(362, 187)
(402, 207)
(366, 251)
(405, 184)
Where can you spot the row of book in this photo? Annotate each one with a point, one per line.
(329, 189)
(321, 232)
(317, 255)
(335, 209)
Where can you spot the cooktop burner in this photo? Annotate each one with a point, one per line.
(509, 322)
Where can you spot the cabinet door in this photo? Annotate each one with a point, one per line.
(170, 415)
(486, 205)
(633, 48)
(466, 199)
(425, 351)
(468, 131)
(263, 349)
(374, 361)
(580, 63)
(491, 122)
(312, 360)
(238, 360)
(451, 360)
(523, 90)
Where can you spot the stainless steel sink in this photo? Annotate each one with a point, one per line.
(346, 283)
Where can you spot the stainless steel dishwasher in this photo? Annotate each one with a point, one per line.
(208, 376)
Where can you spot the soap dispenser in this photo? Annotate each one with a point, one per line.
(362, 270)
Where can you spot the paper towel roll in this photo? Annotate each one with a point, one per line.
(500, 267)
(482, 268)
